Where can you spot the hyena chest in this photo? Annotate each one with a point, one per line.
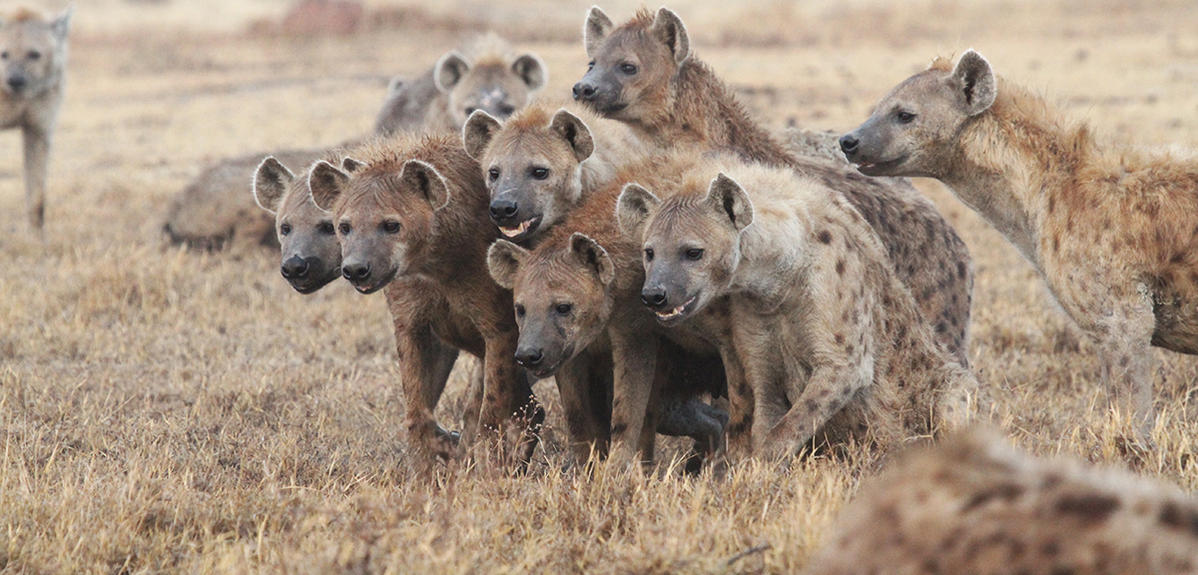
(13, 113)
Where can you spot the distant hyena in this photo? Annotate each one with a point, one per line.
(1114, 233)
(645, 73)
(214, 211)
(33, 56)
(975, 505)
(831, 343)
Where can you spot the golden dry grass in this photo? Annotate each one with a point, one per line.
(171, 411)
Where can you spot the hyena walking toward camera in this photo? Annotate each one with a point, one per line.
(1114, 234)
(33, 55)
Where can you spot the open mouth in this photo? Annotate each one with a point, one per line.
(876, 168)
(369, 288)
(672, 314)
(521, 231)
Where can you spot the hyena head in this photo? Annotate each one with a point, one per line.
(382, 218)
(491, 80)
(631, 67)
(914, 130)
(532, 165)
(33, 52)
(691, 243)
(310, 252)
(561, 295)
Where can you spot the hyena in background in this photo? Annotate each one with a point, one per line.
(33, 57)
(973, 504)
(1113, 233)
(645, 73)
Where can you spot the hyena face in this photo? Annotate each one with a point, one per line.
(913, 130)
(381, 218)
(311, 254)
(496, 87)
(561, 298)
(628, 77)
(32, 52)
(691, 244)
(532, 166)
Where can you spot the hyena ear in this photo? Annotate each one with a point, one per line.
(576, 133)
(326, 183)
(503, 261)
(596, 28)
(427, 180)
(728, 198)
(633, 208)
(270, 183)
(531, 69)
(62, 24)
(592, 255)
(395, 85)
(477, 133)
(669, 29)
(975, 83)
(350, 165)
(450, 70)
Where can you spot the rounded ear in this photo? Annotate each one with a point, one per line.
(425, 178)
(270, 183)
(350, 165)
(633, 208)
(326, 183)
(449, 71)
(728, 198)
(478, 131)
(532, 70)
(503, 261)
(592, 255)
(669, 29)
(975, 83)
(62, 24)
(596, 28)
(576, 133)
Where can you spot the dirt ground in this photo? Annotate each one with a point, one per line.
(165, 410)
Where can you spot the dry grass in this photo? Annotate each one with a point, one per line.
(171, 411)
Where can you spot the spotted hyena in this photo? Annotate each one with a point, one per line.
(831, 342)
(33, 57)
(645, 73)
(973, 504)
(1114, 233)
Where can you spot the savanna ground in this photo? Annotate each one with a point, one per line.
(162, 410)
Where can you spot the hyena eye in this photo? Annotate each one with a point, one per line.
(540, 173)
(493, 173)
(519, 310)
(694, 254)
(345, 228)
(326, 228)
(648, 254)
(563, 308)
(285, 229)
(590, 65)
(506, 109)
(471, 110)
(4, 55)
(34, 54)
(905, 117)
(391, 227)
(628, 68)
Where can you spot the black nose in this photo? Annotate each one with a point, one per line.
(295, 267)
(584, 91)
(848, 143)
(653, 297)
(16, 82)
(529, 357)
(502, 209)
(355, 272)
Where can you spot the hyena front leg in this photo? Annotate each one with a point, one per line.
(37, 156)
(509, 405)
(424, 365)
(587, 428)
(634, 361)
(1125, 337)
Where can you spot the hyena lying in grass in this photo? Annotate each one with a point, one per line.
(312, 258)
(831, 343)
(33, 57)
(213, 211)
(973, 504)
(644, 73)
(1114, 233)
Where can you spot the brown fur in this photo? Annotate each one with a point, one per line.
(437, 254)
(831, 343)
(684, 103)
(31, 90)
(1112, 232)
(973, 504)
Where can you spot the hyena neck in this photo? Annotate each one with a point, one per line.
(1014, 162)
(703, 110)
(458, 240)
(768, 269)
